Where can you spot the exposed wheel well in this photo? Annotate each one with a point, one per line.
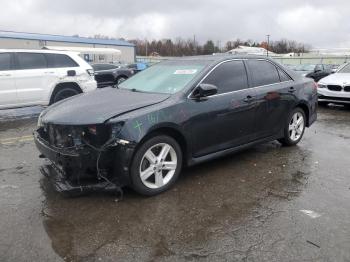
(306, 111)
(172, 133)
(60, 86)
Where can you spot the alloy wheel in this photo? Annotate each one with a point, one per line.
(158, 166)
(296, 126)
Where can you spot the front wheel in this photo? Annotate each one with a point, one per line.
(294, 128)
(156, 165)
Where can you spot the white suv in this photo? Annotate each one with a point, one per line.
(38, 77)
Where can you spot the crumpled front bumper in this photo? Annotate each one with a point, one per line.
(78, 161)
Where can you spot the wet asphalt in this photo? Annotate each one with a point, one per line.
(268, 203)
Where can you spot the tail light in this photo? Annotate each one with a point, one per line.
(90, 72)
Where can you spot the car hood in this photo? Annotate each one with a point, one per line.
(337, 78)
(98, 106)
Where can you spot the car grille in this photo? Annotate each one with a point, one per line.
(347, 88)
(334, 87)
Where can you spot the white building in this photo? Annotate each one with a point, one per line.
(92, 49)
(249, 50)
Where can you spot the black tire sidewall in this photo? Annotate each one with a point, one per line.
(54, 99)
(287, 140)
(137, 184)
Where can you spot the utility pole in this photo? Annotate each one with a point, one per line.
(268, 44)
(194, 45)
(146, 47)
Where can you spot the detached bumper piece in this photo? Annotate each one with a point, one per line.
(65, 187)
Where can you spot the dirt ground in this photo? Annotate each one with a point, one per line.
(268, 203)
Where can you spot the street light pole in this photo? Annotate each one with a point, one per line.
(268, 44)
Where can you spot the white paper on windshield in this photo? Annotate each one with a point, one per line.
(185, 72)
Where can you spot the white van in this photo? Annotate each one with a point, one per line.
(40, 77)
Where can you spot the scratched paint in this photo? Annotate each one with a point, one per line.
(153, 118)
(138, 126)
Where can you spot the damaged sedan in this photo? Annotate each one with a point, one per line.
(177, 113)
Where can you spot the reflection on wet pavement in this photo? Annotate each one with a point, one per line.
(244, 207)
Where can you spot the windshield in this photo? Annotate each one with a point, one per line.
(167, 78)
(345, 69)
(304, 67)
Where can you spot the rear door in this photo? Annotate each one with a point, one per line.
(275, 95)
(33, 78)
(226, 119)
(8, 92)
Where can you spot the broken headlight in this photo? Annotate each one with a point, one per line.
(116, 128)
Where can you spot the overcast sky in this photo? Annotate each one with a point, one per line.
(321, 23)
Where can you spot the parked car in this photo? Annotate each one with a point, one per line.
(176, 113)
(335, 88)
(320, 71)
(315, 72)
(304, 69)
(136, 67)
(110, 74)
(335, 67)
(38, 77)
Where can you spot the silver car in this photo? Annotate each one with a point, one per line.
(335, 88)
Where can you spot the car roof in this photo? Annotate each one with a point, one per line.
(219, 57)
(46, 51)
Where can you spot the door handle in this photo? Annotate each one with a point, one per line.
(248, 99)
(49, 72)
(5, 74)
(292, 90)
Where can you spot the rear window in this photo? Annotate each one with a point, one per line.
(263, 73)
(31, 61)
(60, 60)
(5, 61)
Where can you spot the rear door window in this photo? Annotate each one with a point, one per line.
(227, 77)
(60, 61)
(5, 61)
(31, 61)
(263, 73)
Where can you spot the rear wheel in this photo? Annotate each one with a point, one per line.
(63, 93)
(294, 128)
(156, 165)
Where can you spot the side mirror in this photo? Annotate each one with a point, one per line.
(204, 90)
(71, 73)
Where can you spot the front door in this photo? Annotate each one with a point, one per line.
(226, 119)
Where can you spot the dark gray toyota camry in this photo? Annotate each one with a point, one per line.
(176, 113)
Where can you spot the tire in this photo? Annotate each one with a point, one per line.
(63, 93)
(294, 130)
(120, 79)
(157, 178)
